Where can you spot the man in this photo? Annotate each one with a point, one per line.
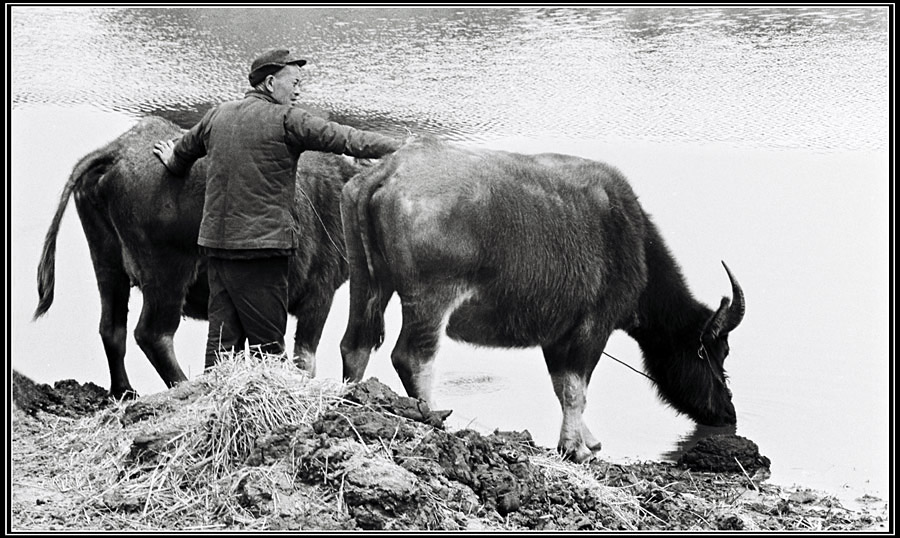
(247, 231)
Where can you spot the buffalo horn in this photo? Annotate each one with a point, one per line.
(736, 312)
(730, 313)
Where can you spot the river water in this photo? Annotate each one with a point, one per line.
(758, 136)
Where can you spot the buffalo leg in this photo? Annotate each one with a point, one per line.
(571, 362)
(155, 331)
(311, 318)
(114, 291)
(368, 297)
(114, 286)
(306, 340)
(413, 355)
(365, 328)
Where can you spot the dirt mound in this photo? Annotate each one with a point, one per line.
(493, 473)
(725, 454)
(252, 446)
(67, 398)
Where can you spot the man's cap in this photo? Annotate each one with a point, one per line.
(271, 62)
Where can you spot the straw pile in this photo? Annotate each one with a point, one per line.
(176, 460)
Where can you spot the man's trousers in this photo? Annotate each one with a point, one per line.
(248, 301)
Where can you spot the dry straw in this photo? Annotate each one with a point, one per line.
(205, 430)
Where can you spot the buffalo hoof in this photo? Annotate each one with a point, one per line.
(124, 395)
(595, 453)
(306, 362)
(581, 454)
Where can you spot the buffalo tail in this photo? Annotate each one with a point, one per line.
(90, 166)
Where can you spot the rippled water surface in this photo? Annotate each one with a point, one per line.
(764, 77)
(754, 135)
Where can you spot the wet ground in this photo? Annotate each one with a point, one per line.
(432, 479)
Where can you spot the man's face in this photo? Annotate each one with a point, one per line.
(285, 85)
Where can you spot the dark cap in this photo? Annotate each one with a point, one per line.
(271, 62)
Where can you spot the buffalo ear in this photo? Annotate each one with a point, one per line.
(716, 323)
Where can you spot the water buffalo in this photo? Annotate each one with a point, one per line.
(141, 225)
(514, 250)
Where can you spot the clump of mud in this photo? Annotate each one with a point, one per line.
(67, 398)
(727, 453)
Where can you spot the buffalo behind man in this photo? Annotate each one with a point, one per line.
(141, 225)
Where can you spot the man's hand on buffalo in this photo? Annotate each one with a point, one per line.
(164, 149)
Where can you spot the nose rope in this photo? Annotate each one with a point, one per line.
(316, 212)
(704, 355)
(701, 353)
(629, 367)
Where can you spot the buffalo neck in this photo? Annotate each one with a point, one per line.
(668, 320)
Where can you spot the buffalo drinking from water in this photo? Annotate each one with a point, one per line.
(514, 250)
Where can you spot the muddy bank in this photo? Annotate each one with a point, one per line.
(267, 448)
